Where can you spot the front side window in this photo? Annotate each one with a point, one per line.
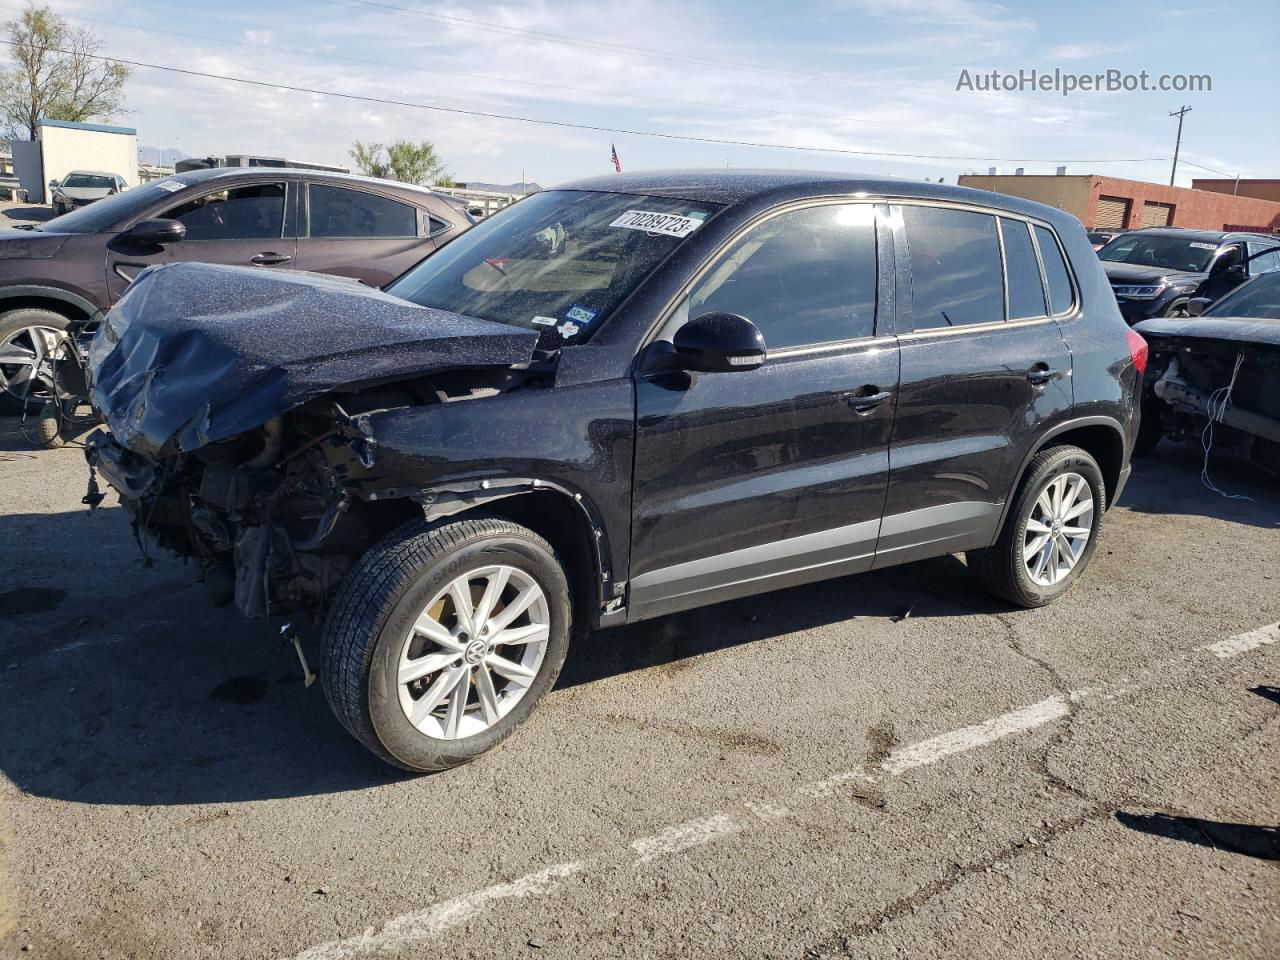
(1055, 271)
(253, 212)
(956, 273)
(1022, 271)
(339, 212)
(558, 262)
(804, 277)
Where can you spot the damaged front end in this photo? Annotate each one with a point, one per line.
(1220, 371)
(238, 436)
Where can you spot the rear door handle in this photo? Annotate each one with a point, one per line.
(1040, 374)
(269, 259)
(864, 403)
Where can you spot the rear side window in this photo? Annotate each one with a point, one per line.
(1055, 271)
(956, 275)
(338, 212)
(804, 277)
(1022, 271)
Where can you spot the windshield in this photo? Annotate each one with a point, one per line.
(89, 180)
(1160, 250)
(1259, 299)
(557, 262)
(109, 212)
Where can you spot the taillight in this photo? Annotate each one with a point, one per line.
(1138, 351)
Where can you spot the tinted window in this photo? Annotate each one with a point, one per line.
(246, 213)
(1258, 299)
(956, 276)
(1026, 292)
(803, 277)
(337, 212)
(109, 213)
(1055, 271)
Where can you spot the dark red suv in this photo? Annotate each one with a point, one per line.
(69, 271)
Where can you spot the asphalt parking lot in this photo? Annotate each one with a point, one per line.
(884, 766)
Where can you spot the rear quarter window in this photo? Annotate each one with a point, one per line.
(1061, 296)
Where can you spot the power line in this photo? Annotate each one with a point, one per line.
(569, 125)
(499, 79)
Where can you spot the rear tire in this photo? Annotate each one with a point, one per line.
(373, 635)
(1053, 564)
(17, 328)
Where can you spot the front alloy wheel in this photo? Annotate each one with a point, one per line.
(443, 638)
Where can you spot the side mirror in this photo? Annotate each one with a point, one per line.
(1196, 306)
(718, 342)
(157, 233)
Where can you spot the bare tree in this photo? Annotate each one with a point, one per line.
(57, 74)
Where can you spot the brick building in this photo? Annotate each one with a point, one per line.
(1112, 202)
(1258, 189)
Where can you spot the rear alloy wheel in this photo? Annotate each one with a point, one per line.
(30, 335)
(443, 639)
(1050, 532)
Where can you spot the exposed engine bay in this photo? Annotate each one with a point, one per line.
(1195, 380)
(239, 436)
(276, 516)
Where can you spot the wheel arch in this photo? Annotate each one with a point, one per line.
(1103, 438)
(564, 518)
(70, 305)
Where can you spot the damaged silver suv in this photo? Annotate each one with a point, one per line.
(611, 401)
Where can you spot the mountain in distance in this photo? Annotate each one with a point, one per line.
(160, 156)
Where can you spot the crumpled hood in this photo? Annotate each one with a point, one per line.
(1136, 273)
(18, 244)
(1246, 330)
(195, 353)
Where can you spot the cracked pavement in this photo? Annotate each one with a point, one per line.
(711, 784)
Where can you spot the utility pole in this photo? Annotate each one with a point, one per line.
(1178, 143)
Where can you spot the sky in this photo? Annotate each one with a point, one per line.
(875, 77)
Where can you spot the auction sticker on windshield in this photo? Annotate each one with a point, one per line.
(672, 224)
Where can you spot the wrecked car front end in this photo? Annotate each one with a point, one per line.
(238, 405)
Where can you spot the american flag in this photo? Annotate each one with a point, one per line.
(617, 164)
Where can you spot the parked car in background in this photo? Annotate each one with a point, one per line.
(1157, 270)
(65, 273)
(1100, 238)
(615, 400)
(82, 187)
(1222, 363)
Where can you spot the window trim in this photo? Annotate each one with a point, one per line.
(284, 211)
(305, 232)
(878, 324)
(1044, 280)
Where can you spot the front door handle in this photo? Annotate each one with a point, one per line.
(269, 259)
(1041, 374)
(866, 402)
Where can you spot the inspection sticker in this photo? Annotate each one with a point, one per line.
(672, 224)
(173, 186)
(581, 314)
(545, 321)
(1204, 246)
(568, 329)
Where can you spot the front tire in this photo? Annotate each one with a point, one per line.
(443, 639)
(1050, 532)
(32, 332)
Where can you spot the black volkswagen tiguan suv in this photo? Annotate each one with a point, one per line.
(615, 400)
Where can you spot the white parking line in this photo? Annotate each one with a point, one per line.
(1244, 642)
(412, 928)
(415, 928)
(683, 836)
